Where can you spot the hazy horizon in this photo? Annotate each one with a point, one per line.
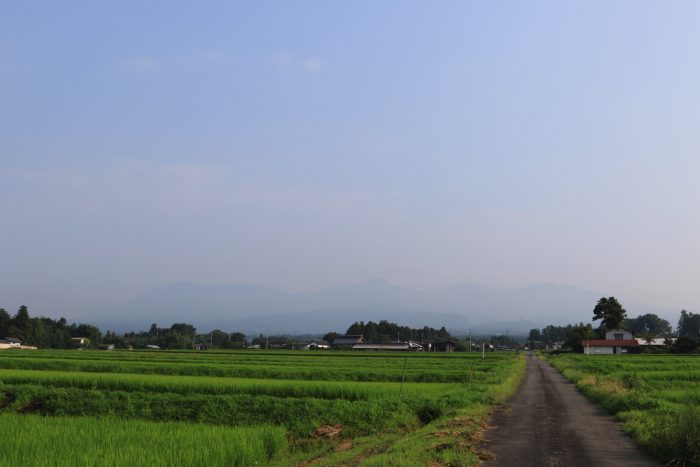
(308, 145)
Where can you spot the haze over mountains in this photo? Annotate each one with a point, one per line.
(255, 309)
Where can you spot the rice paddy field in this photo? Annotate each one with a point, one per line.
(657, 398)
(248, 407)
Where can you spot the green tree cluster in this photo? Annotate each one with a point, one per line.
(45, 332)
(571, 335)
(177, 336)
(649, 324)
(384, 331)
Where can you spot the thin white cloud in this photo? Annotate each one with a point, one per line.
(147, 64)
(283, 61)
(4, 46)
(212, 56)
(286, 61)
(121, 186)
(313, 64)
(141, 64)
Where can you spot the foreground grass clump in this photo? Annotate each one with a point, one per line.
(656, 397)
(51, 441)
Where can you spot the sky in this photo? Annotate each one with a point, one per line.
(308, 144)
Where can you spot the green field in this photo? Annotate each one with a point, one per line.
(243, 407)
(655, 396)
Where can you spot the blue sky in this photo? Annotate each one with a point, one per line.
(307, 144)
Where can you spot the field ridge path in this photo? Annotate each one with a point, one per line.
(548, 422)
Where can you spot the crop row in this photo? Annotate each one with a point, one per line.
(351, 391)
(418, 369)
(300, 359)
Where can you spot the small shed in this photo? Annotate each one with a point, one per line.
(656, 342)
(318, 345)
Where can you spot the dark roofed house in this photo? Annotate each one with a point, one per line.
(443, 346)
(347, 341)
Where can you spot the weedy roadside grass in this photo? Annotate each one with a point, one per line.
(655, 396)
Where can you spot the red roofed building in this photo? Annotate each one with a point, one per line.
(617, 341)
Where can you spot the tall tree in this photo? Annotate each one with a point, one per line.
(689, 324)
(5, 321)
(610, 312)
(21, 321)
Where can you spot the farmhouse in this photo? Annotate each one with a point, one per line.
(617, 341)
(12, 343)
(442, 346)
(409, 346)
(348, 341)
(317, 345)
(9, 343)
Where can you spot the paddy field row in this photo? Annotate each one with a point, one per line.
(300, 406)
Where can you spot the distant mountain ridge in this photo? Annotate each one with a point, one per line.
(255, 309)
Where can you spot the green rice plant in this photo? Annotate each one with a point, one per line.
(299, 392)
(57, 441)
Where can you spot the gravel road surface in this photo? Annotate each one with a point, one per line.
(549, 423)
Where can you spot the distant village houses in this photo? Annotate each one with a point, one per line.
(409, 346)
(358, 342)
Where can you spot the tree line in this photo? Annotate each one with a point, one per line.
(45, 332)
(58, 334)
(385, 332)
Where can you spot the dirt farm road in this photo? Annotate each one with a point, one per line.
(549, 423)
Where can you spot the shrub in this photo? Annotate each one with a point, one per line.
(429, 411)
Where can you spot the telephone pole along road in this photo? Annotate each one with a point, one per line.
(549, 423)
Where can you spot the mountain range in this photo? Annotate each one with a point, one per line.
(254, 309)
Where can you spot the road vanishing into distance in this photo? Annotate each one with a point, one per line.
(548, 422)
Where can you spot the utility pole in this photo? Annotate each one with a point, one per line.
(470, 340)
(483, 351)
